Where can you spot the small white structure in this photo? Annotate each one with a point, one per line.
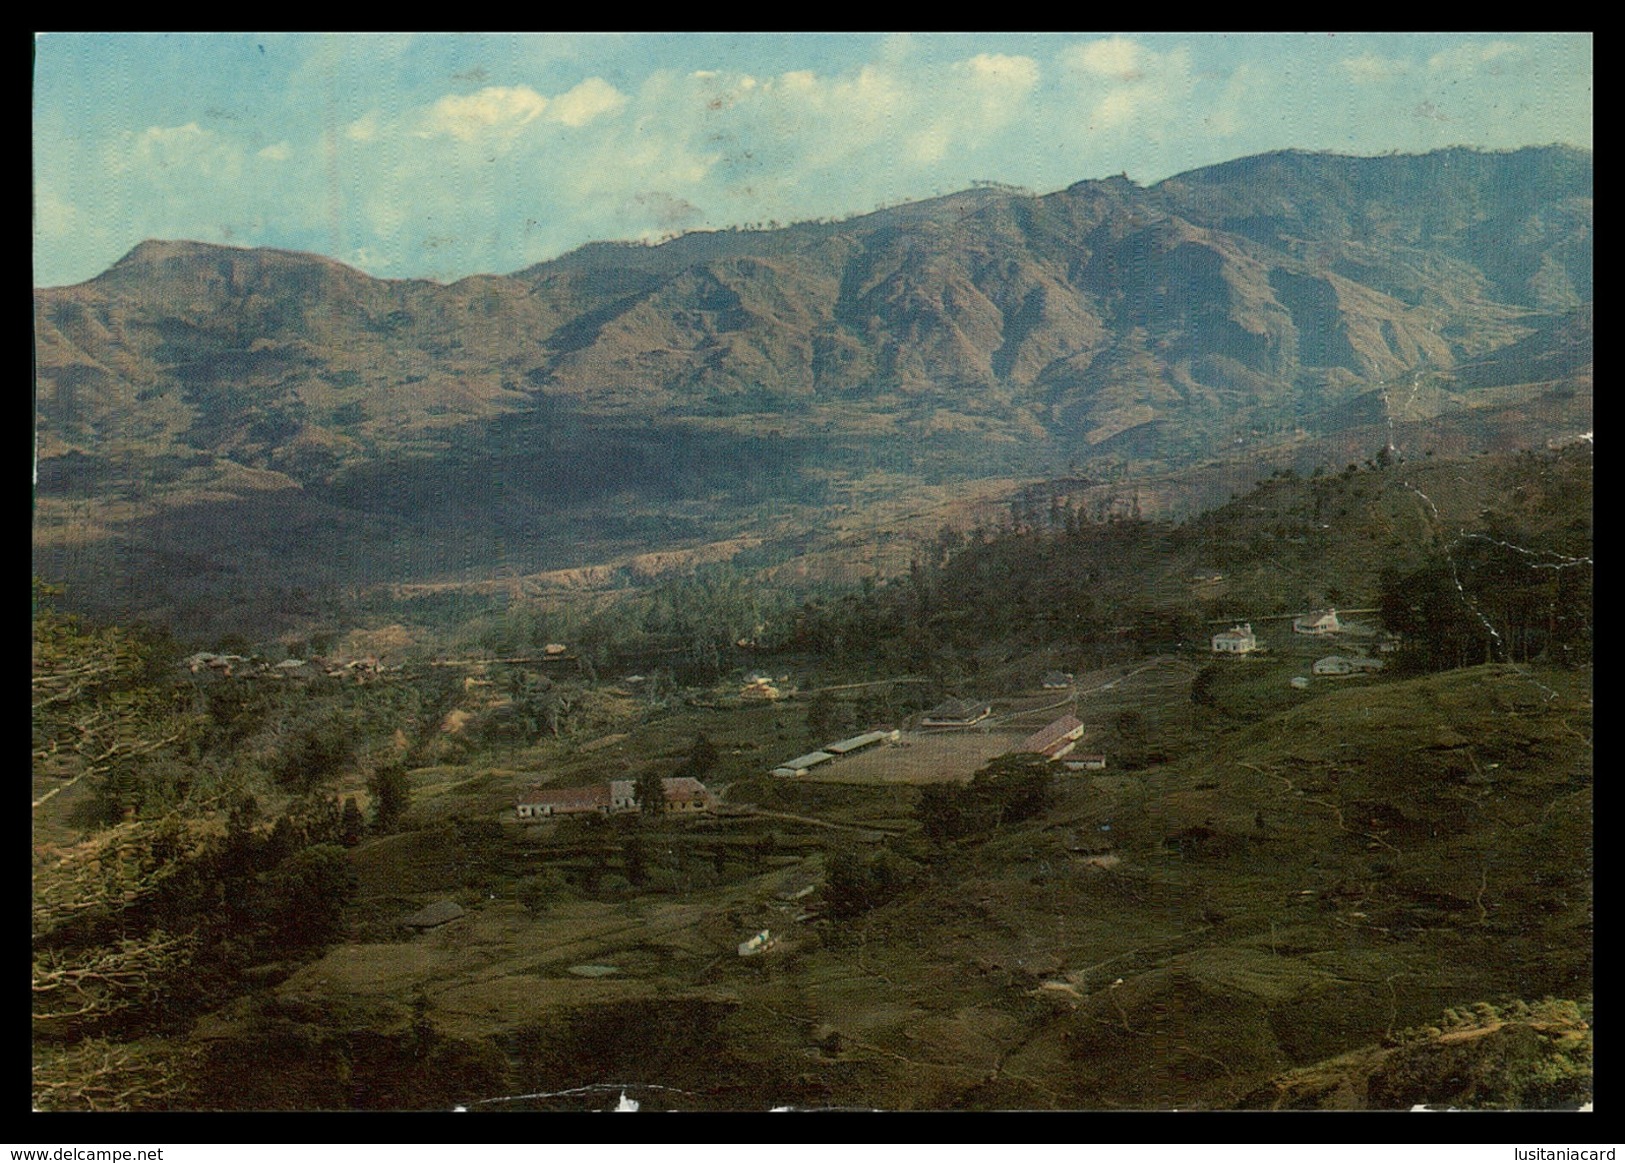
(1079, 762)
(1333, 665)
(1317, 622)
(760, 943)
(1236, 640)
(1299, 683)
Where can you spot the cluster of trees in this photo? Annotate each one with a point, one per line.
(100, 714)
(154, 912)
(1075, 583)
(1007, 790)
(854, 884)
(1516, 590)
(1490, 601)
(691, 625)
(145, 923)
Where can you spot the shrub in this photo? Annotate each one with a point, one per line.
(853, 885)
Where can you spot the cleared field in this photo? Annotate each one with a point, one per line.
(921, 758)
(1100, 694)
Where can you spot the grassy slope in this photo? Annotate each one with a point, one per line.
(1425, 844)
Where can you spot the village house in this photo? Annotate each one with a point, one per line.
(220, 665)
(956, 713)
(682, 794)
(1056, 740)
(759, 688)
(1057, 680)
(1317, 622)
(1236, 640)
(541, 803)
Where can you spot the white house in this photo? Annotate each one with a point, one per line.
(1317, 622)
(1236, 640)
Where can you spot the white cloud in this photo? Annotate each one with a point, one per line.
(53, 216)
(167, 145)
(363, 128)
(171, 153)
(1126, 82)
(1369, 68)
(1225, 115)
(1117, 58)
(963, 109)
(1019, 73)
(369, 259)
(593, 98)
(799, 81)
(495, 109)
(280, 152)
(931, 145)
(1470, 57)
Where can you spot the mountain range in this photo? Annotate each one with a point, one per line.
(222, 431)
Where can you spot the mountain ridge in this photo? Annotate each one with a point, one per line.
(986, 333)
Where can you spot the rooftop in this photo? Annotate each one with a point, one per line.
(1064, 728)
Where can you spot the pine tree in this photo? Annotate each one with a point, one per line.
(351, 824)
(391, 793)
(650, 790)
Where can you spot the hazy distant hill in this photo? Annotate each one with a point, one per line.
(206, 400)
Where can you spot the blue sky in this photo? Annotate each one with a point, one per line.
(445, 155)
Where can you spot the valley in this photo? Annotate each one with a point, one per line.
(1281, 889)
(1128, 648)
